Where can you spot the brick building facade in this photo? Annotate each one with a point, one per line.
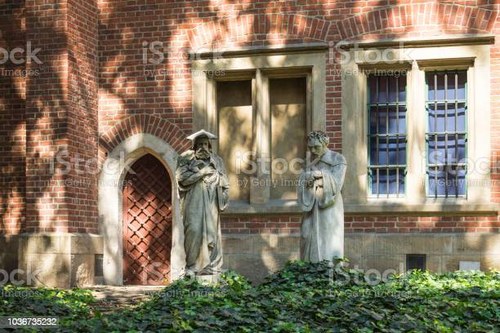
(88, 88)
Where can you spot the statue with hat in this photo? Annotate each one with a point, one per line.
(204, 190)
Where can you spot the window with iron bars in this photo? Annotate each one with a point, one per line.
(446, 136)
(387, 137)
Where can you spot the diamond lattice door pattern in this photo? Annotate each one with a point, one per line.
(147, 228)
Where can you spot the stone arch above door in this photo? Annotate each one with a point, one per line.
(137, 124)
(114, 169)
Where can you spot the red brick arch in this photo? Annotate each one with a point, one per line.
(153, 125)
(418, 19)
(251, 28)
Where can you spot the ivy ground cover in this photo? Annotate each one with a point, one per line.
(302, 297)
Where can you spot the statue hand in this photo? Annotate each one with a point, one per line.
(207, 171)
(311, 176)
(317, 174)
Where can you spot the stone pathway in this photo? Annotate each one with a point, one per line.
(110, 298)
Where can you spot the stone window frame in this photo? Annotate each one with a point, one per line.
(260, 64)
(415, 58)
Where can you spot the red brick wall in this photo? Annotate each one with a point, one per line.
(61, 116)
(83, 66)
(46, 121)
(283, 224)
(92, 53)
(12, 120)
(363, 223)
(126, 92)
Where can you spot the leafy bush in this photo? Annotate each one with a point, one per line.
(68, 305)
(302, 297)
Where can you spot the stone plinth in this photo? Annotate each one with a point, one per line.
(58, 259)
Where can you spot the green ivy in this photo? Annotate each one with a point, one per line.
(302, 297)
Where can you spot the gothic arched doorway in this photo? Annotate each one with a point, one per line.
(147, 223)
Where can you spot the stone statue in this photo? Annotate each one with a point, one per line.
(204, 190)
(318, 193)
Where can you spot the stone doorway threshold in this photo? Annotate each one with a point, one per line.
(112, 298)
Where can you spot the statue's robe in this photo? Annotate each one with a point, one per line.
(322, 230)
(203, 197)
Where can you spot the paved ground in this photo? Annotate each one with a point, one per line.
(109, 298)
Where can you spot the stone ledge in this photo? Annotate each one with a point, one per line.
(375, 207)
(61, 243)
(453, 40)
(259, 50)
(271, 207)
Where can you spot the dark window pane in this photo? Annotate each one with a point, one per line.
(402, 88)
(447, 181)
(460, 148)
(446, 137)
(373, 89)
(373, 120)
(415, 261)
(454, 82)
(400, 119)
(446, 117)
(388, 150)
(456, 85)
(388, 181)
(381, 119)
(387, 131)
(437, 87)
(396, 117)
(460, 118)
(448, 149)
(382, 89)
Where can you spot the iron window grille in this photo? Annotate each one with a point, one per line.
(387, 137)
(446, 135)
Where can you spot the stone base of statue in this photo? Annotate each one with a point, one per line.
(211, 279)
(205, 279)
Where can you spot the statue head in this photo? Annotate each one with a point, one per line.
(201, 143)
(202, 147)
(317, 143)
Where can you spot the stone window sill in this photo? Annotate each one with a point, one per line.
(457, 207)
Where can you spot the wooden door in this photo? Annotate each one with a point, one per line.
(147, 223)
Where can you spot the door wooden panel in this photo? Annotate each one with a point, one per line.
(147, 223)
